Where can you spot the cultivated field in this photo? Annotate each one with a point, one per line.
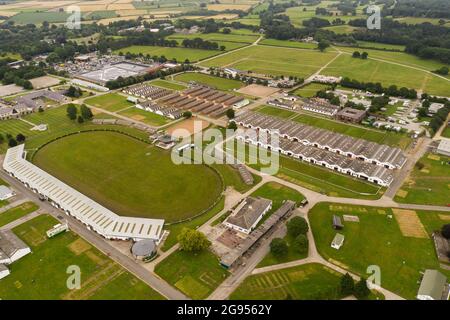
(274, 61)
(377, 239)
(428, 183)
(130, 177)
(42, 274)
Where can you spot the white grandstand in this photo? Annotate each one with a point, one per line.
(93, 215)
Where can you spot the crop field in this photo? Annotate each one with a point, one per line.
(273, 61)
(110, 102)
(287, 43)
(376, 239)
(217, 82)
(387, 74)
(39, 17)
(130, 177)
(306, 282)
(180, 54)
(429, 183)
(196, 275)
(42, 274)
(218, 37)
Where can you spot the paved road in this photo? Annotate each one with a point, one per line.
(100, 243)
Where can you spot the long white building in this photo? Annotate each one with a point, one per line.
(93, 215)
(321, 157)
(370, 152)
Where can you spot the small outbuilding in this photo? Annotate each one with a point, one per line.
(433, 286)
(4, 271)
(144, 249)
(444, 147)
(5, 193)
(337, 223)
(338, 241)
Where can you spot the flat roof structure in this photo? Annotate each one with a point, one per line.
(114, 71)
(10, 244)
(444, 147)
(95, 216)
(230, 259)
(433, 286)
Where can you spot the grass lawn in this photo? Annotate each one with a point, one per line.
(306, 282)
(341, 29)
(377, 45)
(17, 212)
(429, 185)
(288, 43)
(39, 17)
(232, 178)
(216, 82)
(375, 240)
(150, 118)
(167, 85)
(194, 274)
(387, 73)
(130, 177)
(389, 138)
(14, 127)
(274, 60)
(278, 112)
(110, 102)
(319, 179)
(310, 90)
(446, 132)
(42, 274)
(218, 37)
(180, 54)
(292, 255)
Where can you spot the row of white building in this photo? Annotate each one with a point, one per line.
(340, 144)
(321, 157)
(93, 215)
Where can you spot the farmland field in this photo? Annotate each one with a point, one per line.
(377, 239)
(42, 274)
(109, 167)
(218, 37)
(267, 60)
(289, 44)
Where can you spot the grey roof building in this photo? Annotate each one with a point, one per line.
(433, 286)
(248, 214)
(11, 247)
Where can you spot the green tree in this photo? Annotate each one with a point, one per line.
(361, 290)
(322, 45)
(445, 231)
(364, 55)
(279, 247)
(347, 285)
(230, 113)
(300, 243)
(72, 111)
(80, 119)
(86, 112)
(232, 125)
(12, 142)
(20, 138)
(356, 54)
(187, 114)
(192, 240)
(297, 226)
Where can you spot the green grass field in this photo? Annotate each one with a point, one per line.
(130, 177)
(180, 54)
(217, 82)
(167, 85)
(274, 60)
(310, 90)
(289, 44)
(17, 212)
(219, 37)
(277, 112)
(429, 185)
(446, 132)
(194, 274)
(387, 73)
(377, 45)
(42, 274)
(150, 118)
(306, 282)
(111, 102)
(375, 240)
(39, 17)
